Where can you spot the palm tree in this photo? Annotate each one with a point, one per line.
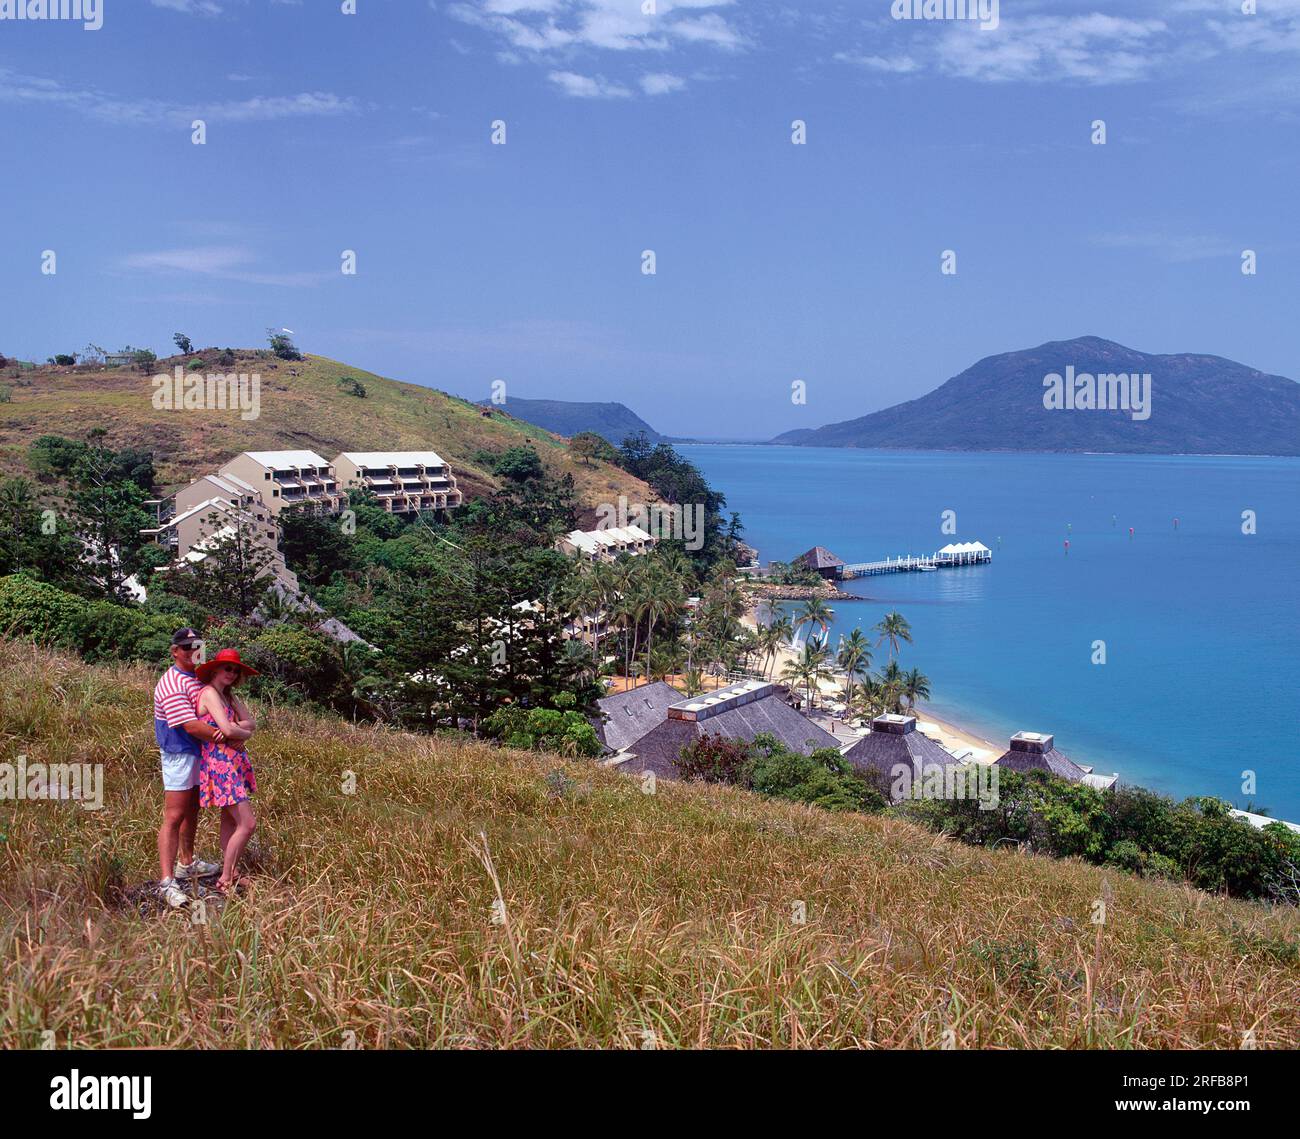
(893, 628)
(854, 658)
(808, 668)
(916, 686)
(815, 612)
(890, 686)
(661, 597)
(783, 629)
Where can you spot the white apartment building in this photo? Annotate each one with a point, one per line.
(606, 545)
(288, 478)
(405, 482)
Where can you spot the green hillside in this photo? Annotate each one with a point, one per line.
(304, 404)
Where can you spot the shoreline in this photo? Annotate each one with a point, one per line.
(942, 728)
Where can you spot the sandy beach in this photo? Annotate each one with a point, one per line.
(960, 741)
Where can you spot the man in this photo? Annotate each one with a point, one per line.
(179, 733)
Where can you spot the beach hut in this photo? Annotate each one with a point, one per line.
(822, 562)
(894, 742)
(740, 712)
(1036, 751)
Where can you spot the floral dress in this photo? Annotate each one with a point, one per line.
(225, 771)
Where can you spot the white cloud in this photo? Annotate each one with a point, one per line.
(661, 83)
(1093, 47)
(224, 262)
(33, 90)
(587, 86)
(1174, 248)
(190, 7)
(898, 65)
(616, 25)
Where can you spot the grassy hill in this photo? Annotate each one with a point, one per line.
(302, 406)
(624, 913)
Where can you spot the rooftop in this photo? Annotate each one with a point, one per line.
(627, 716)
(393, 458)
(819, 557)
(280, 459)
(740, 717)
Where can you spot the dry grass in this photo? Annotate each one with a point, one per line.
(627, 920)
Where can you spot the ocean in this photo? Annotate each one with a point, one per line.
(1200, 620)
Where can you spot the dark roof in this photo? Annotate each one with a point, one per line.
(629, 715)
(819, 557)
(659, 748)
(1036, 751)
(1053, 761)
(887, 746)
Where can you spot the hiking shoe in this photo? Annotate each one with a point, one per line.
(197, 869)
(173, 895)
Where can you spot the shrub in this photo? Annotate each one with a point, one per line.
(98, 630)
(6, 393)
(715, 759)
(560, 729)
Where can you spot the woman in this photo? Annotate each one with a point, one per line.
(226, 777)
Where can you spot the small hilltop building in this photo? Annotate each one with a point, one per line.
(822, 562)
(1036, 751)
(648, 732)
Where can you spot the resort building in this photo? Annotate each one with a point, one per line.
(627, 716)
(606, 545)
(1036, 751)
(405, 482)
(893, 741)
(288, 478)
(822, 562)
(647, 733)
(194, 533)
(196, 511)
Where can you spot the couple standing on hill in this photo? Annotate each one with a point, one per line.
(202, 728)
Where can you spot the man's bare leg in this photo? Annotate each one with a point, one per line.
(189, 824)
(175, 809)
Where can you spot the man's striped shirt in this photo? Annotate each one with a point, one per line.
(176, 702)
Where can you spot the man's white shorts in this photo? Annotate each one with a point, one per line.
(180, 770)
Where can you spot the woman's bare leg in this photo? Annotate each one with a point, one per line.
(245, 823)
(227, 830)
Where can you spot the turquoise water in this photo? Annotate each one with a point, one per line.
(1201, 622)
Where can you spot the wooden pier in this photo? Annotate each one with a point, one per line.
(968, 554)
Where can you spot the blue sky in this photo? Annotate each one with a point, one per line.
(671, 132)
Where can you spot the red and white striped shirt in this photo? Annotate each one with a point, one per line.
(176, 702)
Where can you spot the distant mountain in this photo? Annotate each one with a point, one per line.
(613, 421)
(1198, 405)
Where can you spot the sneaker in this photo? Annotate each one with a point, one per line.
(172, 894)
(198, 869)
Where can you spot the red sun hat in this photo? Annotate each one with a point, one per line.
(225, 656)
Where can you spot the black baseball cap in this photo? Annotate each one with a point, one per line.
(185, 636)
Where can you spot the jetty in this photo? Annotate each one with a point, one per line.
(954, 554)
